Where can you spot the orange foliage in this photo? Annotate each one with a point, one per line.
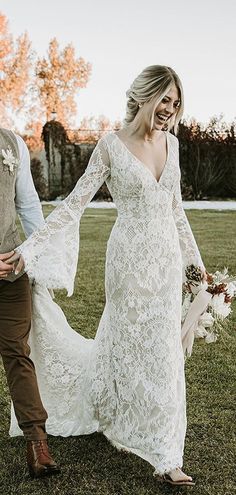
(15, 66)
(59, 77)
(33, 136)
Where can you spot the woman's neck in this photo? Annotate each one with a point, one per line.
(140, 134)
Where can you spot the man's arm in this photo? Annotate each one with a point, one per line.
(27, 201)
(27, 204)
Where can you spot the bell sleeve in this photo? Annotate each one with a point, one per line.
(51, 252)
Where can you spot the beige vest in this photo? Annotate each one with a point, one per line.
(9, 235)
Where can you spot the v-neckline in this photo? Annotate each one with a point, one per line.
(144, 166)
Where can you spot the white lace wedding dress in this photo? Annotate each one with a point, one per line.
(129, 381)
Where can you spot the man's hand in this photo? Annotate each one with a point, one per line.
(5, 268)
(16, 260)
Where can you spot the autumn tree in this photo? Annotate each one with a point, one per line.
(33, 135)
(15, 66)
(58, 78)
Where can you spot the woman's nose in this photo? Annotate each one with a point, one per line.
(169, 107)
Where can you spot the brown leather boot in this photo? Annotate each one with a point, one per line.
(40, 462)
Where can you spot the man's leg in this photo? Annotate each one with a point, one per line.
(15, 321)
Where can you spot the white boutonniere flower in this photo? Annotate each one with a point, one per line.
(9, 159)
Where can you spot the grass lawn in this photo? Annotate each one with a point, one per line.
(90, 464)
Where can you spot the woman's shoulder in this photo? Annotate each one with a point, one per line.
(107, 137)
(173, 138)
(104, 143)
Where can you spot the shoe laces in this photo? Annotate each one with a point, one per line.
(41, 448)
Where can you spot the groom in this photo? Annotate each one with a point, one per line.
(18, 196)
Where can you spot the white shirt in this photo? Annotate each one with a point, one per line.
(27, 201)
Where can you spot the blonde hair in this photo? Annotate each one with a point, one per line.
(151, 86)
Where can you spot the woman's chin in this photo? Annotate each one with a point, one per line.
(158, 126)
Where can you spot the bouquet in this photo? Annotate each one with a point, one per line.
(206, 305)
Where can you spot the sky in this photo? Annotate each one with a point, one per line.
(121, 37)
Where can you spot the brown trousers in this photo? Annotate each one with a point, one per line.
(15, 321)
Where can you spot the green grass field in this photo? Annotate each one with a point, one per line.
(90, 464)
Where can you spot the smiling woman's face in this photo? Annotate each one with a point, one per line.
(166, 108)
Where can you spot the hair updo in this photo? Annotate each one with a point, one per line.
(153, 83)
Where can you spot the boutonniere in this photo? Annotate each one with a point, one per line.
(9, 159)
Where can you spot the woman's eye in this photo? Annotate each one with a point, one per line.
(176, 105)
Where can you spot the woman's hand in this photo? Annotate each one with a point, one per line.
(20, 262)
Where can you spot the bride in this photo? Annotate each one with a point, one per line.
(129, 381)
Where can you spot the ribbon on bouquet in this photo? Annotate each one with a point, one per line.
(196, 309)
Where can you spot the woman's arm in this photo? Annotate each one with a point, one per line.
(188, 245)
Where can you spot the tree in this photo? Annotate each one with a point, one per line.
(58, 78)
(15, 66)
(33, 135)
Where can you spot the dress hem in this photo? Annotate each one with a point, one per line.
(159, 470)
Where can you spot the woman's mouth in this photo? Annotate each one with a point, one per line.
(162, 118)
